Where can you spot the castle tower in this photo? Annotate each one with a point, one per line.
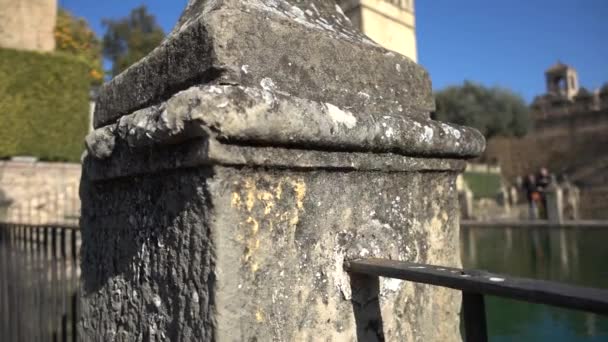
(28, 24)
(562, 80)
(391, 23)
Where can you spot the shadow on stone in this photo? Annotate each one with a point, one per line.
(366, 307)
(158, 221)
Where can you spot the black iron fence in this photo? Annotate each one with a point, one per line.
(39, 282)
(475, 284)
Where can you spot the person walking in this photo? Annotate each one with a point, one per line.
(543, 181)
(532, 195)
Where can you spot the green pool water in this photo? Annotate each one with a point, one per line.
(578, 257)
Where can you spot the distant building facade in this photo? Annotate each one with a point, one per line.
(565, 96)
(28, 24)
(390, 23)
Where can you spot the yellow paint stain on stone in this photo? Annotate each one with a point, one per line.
(264, 213)
(267, 199)
(259, 316)
(299, 186)
(440, 189)
(236, 200)
(250, 187)
(279, 190)
(255, 226)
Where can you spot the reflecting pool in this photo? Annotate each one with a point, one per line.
(574, 256)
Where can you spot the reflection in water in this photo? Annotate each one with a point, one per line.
(566, 255)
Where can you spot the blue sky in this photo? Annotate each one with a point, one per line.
(494, 42)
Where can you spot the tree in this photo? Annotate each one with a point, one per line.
(493, 111)
(129, 39)
(75, 37)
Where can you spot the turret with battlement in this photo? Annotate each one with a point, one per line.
(565, 97)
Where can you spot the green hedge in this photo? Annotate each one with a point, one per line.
(44, 105)
(483, 185)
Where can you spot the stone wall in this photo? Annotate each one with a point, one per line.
(594, 203)
(40, 192)
(558, 143)
(28, 24)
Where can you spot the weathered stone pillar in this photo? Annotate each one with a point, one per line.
(555, 204)
(465, 198)
(234, 169)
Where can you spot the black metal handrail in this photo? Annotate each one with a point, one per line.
(474, 284)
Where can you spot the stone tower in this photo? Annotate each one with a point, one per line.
(391, 23)
(562, 80)
(28, 24)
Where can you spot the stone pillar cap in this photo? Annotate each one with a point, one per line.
(280, 73)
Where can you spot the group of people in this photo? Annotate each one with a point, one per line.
(535, 187)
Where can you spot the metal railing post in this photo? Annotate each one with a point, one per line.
(474, 315)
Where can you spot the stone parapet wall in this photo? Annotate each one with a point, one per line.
(594, 203)
(557, 143)
(40, 192)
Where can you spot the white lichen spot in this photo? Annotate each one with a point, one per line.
(363, 95)
(497, 280)
(156, 300)
(222, 105)
(339, 10)
(417, 267)
(298, 12)
(428, 134)
(364, 252)
(398, 67)
(391, 284)
(340, 116)
(267, 84)
(269, 87)
(452, 131)
(215, 89)
(245, 69)
(389, 132)
(195, 298)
